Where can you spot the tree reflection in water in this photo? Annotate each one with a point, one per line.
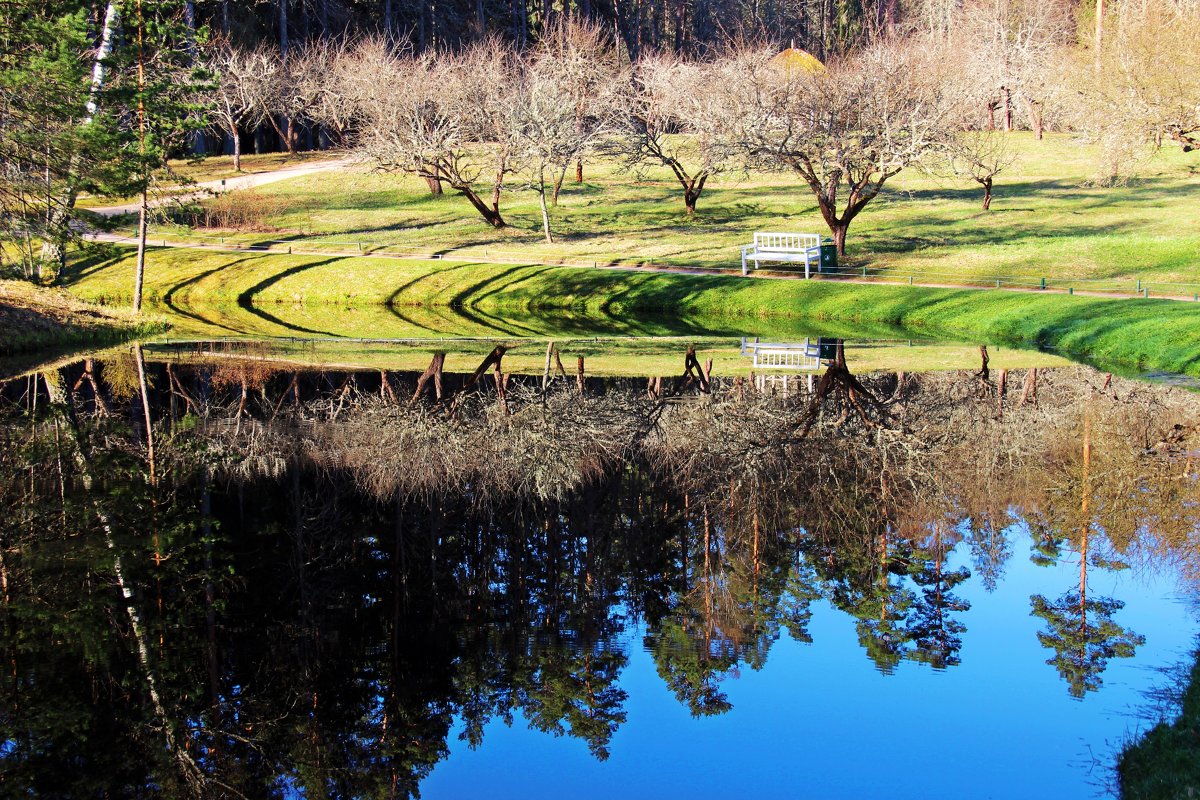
(329, 578)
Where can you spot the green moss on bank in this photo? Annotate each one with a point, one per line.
(1165, 763)
(1126, 334)
(34, 318)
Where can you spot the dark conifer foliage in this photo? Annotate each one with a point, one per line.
(642, 26)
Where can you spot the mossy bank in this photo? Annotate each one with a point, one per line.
(34, 318)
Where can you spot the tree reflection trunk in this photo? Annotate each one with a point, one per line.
(1085, 514)
(189, 771)
(434, 372)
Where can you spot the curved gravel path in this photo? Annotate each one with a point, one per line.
(249, 181)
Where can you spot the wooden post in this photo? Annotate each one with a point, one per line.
(579, 375)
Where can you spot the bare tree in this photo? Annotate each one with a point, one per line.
(290, 93)
(540, 133)
(980, 155)
(669, 121)
(333, 80)
(580, 57)
(239, 89)
(1148, 87)
(844, 131)
(553, 116)
(1006, 51)
(439, 118)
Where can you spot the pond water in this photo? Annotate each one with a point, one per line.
(266, 570)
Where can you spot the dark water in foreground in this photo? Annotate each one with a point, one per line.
(303, 584)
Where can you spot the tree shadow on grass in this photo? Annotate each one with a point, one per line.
(170, 297)
(883, 241)
(245, 299)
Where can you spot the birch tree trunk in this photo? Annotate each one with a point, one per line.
(144, 206)
(54, 250)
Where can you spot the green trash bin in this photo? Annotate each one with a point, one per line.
(828, 256)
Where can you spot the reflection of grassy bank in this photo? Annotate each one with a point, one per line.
(1165, 763)
(322, 293)
(32, 318)
(602, 357)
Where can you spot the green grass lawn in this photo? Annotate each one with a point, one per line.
(263, 294)
(1046, 220)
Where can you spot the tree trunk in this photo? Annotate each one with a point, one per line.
(987, 193)
(491, 214)
(283, 26)
(434, 371)
(1029, 389)
(692, 189)
(144, 205)
(1036, 120)
(545, 211)
(237, 150)
(140, 268)
(288, 134)
(435, 186)
(579, 170)
(558, 182)
(839, 236)
(493, 359)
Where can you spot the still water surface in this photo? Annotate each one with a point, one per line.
(931, 585)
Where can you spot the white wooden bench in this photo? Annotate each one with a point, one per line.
(789, 247)
(805, 355)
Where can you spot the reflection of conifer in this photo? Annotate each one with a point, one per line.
(576, 692)
(990, 550)
(691, 674)
(1084, 637)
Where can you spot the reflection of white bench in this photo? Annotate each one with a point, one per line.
(783, 355)
(789, 247)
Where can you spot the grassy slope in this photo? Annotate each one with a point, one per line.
(311, 295)
(1165, 763)
(33, 318)
(1045, 221)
